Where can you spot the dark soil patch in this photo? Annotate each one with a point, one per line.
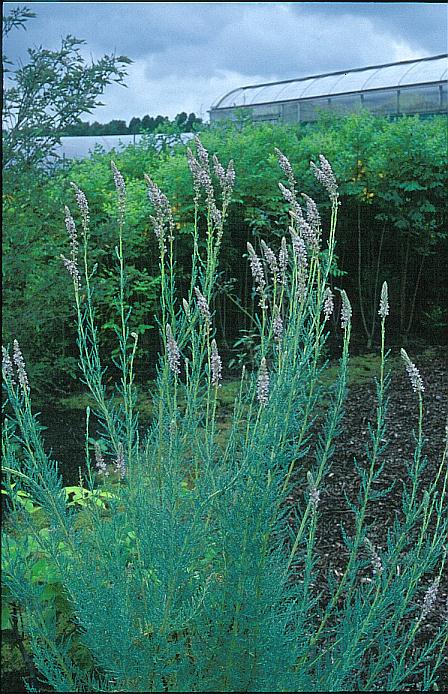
(343, 479)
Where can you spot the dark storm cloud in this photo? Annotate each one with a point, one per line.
(232, 35)
(423, 24)
(186, 55)
(133, 28)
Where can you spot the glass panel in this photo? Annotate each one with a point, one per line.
(250, 96)
(346, 103)
(322, 86)
(420, 100)
(353, 81)
(444, 89)
(235, 98)
(310, 110)
(223, 114)
(294, 90)
(426, 71)
(386, 77)
(290, 113)
(267, 94)
(381, 102)
(266, 112)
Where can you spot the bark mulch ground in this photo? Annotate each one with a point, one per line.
(343, 478)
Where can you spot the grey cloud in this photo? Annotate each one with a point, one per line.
(134, 28)
(231, 32)
(274, 40)
(188, 53)
(423, 24)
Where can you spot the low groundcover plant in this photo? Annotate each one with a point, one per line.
(188, 574)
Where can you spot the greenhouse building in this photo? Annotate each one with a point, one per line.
(409, 87)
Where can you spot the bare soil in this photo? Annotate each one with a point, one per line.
(343, 479)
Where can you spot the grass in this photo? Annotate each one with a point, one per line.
(361, 369)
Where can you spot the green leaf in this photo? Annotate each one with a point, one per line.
(44, 571)
(411, 185)
(6, 615)
(51, 591)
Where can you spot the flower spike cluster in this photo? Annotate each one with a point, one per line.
(325, 176)
(286, 167)
(277, 324)
(14, 370)
(203, 306)
(283, 260)
(313, 491)
(120, 188)
(120, 462)
(7, 366)
(384, 302)
(19, 362)
(375, 558)
(413, 373)
(163, 216)
(172, 351)
(270, 258)
(328, 303)
(99, 460)
(430, 598)
(216, 365)
(346, 311)
(202, 180)
(71, 264)
(83, 206)
(263, 384)
(257, 273)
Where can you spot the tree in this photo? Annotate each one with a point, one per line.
(160, 120)
(81, 128)
(191, 121)
(148, 123)
(116, 127)
(181, 119)
(49, 94)
(96, 128)
(135, 125)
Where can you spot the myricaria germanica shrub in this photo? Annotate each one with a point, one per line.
(187, 575)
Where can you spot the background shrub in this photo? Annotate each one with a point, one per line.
(392, 178)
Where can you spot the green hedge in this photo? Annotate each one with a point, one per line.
(392, 177)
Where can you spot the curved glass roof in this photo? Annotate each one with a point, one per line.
(425, 70)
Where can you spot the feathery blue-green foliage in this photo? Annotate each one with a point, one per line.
(178, 565)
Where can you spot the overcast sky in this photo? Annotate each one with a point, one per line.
(187, 55)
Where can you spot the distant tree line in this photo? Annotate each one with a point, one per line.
(182, 122)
